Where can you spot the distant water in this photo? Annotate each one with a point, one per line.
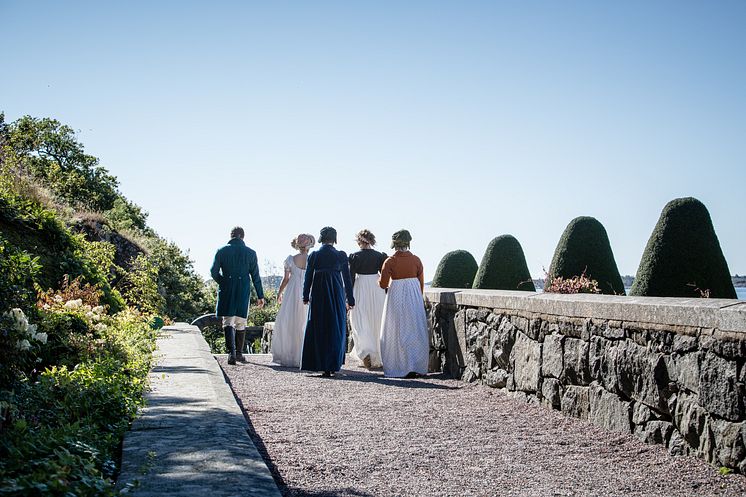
(741, 292)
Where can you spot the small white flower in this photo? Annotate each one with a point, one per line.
(31, 329)
(58, 298)
(23, 344)
(99, 309)
(41, 337)
(100, 327)
(89, 315)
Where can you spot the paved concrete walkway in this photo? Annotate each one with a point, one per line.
(191, 439)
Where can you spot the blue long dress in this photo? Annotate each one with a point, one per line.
(326, 285)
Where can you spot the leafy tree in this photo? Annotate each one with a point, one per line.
(683, 257)
(139, 286)
(182, 289)
(584, 249)
(455, 270)
(127, 216)
(504, 267)
(50, 152)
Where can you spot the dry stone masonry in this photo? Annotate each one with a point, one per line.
(671, 371)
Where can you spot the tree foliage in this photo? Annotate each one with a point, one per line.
(683, 257)
(504, 267)
(50, 152)
(74, 232)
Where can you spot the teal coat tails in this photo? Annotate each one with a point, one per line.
(234, 264)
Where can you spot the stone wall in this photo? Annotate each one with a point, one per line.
(671, 371)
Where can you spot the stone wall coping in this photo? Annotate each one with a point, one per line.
(722, 314)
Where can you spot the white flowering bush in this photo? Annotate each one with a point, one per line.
(73, 379)
(20, 342)
(25, 331)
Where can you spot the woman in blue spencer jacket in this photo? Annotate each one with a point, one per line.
(326, 285)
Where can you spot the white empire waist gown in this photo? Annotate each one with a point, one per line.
(290, 323)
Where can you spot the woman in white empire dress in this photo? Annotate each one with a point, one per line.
(290, 323)
(405, 339)
(365, 318)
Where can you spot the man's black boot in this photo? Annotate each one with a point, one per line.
(230, 343)
(240, 343)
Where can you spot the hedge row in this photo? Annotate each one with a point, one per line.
(682, 258)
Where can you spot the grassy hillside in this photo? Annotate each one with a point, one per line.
(84, 285)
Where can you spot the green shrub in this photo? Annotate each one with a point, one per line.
(182, 290)
(455, 270)
(683, 256)
(61, 428)
(257, 317)
(18, 271)
(139, 286)
(584, 249)
(31, 229)
(504, 267)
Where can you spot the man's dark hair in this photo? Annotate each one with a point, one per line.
(237, 232)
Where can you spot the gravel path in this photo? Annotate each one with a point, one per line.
(360, 434)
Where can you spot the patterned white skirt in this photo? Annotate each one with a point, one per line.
(405, 340)
(365, 318)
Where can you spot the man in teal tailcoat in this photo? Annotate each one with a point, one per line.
(234, 264)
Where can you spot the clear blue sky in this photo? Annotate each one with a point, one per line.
(460, 121)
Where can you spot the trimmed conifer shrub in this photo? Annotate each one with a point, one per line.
(455, 270)
(504, 267)
(584, 248)
(683, 256)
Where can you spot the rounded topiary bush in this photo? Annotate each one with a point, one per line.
(455, 270)
(683, 256)
(584, 248)
(504, 267)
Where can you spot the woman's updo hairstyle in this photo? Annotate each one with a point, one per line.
(365, 236)
(303, 241)
(401, 239)
(328, 235)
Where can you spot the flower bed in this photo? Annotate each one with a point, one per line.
(73, 384)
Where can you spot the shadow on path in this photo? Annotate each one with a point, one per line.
(163, 460)
(180, 369)
(394, 382)
(370, 377)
